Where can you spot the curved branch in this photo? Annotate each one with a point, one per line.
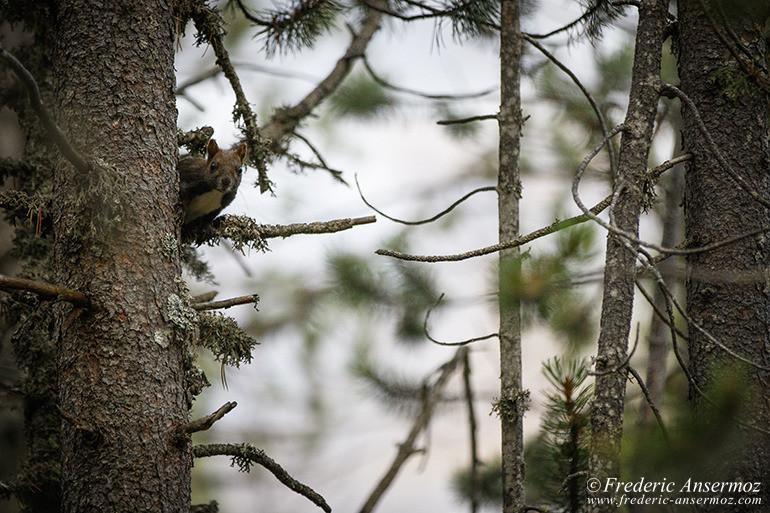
(423, 221)
(384, 83)
(69, 152)
(654, 409)
(594, 105)
(461, 343)
(206, 422)
(245, 454)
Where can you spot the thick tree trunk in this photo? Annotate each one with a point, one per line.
(728, 290)
(618, 298)
(513, 400)
(121, 363)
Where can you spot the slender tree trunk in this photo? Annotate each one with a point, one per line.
(617, 301)
(660, 334)
(121, 363)
(513, 400)
(728, 290)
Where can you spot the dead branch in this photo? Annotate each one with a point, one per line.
(406, 449)
(446, 122)
(245, 454)
(460, 343)
(474, 488)
(45, 290)
(650, 402)
(53, 130)
(423, 221)
(226, 303)
(206, 422)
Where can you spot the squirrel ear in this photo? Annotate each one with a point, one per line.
(240, 151)
(211, 148)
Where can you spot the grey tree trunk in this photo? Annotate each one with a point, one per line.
(513, 400)
(728, 292)
(122, 363)
(617, 301)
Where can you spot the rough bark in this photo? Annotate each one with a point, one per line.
(121, 363)
(618, 296)
(728, 293)
(513, 399)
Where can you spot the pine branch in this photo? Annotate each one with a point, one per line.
(45, 290)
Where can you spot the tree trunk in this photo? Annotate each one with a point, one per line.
(513, 400)
(122, 362)
(728, 292)
(618, 298)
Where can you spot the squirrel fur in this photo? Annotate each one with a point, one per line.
(207, 185)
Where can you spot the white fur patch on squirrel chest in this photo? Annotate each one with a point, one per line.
(201, 205)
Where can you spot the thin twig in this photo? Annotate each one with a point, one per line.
(446, 122)
(406, 449)
(654, 409)
(588, 13)
(387, 85)
(45, 290)
(206, 422)
(423, 221)
(245, 454)
(589, 97)
(226, 303)
(461, 343)
(654, 174)
(53, 130)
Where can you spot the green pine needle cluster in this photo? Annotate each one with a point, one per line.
(299, 25)
(557, 462)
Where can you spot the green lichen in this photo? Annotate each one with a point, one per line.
(181, 315)
(169, 246)
(512, 406)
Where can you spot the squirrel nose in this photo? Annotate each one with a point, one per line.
(225, 183)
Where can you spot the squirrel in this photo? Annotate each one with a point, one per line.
(207, 185)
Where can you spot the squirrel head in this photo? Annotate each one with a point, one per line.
(225, 167)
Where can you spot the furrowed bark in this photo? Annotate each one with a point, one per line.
(728, 289)
(512, 398)
(122, 362)
(618, 297)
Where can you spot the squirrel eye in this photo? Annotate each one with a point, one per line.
(240, 170)
(214, 166)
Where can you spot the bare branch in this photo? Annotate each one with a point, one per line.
(589, 97)
(384, 83)
(647, 396)
(226, 303)
(589, 12)
(53, 130)
(245, 454)
(424, 221)
(461, 343)
(406, 449)
(654, 174)
(45, 290)
(336, 173)
(446, 122)
(206, 422)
